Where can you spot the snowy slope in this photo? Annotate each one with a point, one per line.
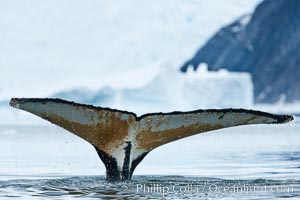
(54, 45)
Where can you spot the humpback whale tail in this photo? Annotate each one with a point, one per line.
(122, 139)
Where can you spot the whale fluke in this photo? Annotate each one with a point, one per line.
(122, 139)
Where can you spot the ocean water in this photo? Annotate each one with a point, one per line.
(250, 162)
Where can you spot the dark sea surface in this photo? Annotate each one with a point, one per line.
(149, 187)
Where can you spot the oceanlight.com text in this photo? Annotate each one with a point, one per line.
(205, 188)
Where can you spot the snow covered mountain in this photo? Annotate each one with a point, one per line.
(267, 46)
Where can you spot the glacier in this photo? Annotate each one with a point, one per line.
(49, 46)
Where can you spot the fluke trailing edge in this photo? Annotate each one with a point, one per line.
(122, 139)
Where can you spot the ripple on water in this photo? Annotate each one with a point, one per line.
(147, 187)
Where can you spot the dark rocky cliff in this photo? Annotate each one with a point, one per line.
(268, 47)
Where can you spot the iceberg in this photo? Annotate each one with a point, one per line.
(171, 90)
